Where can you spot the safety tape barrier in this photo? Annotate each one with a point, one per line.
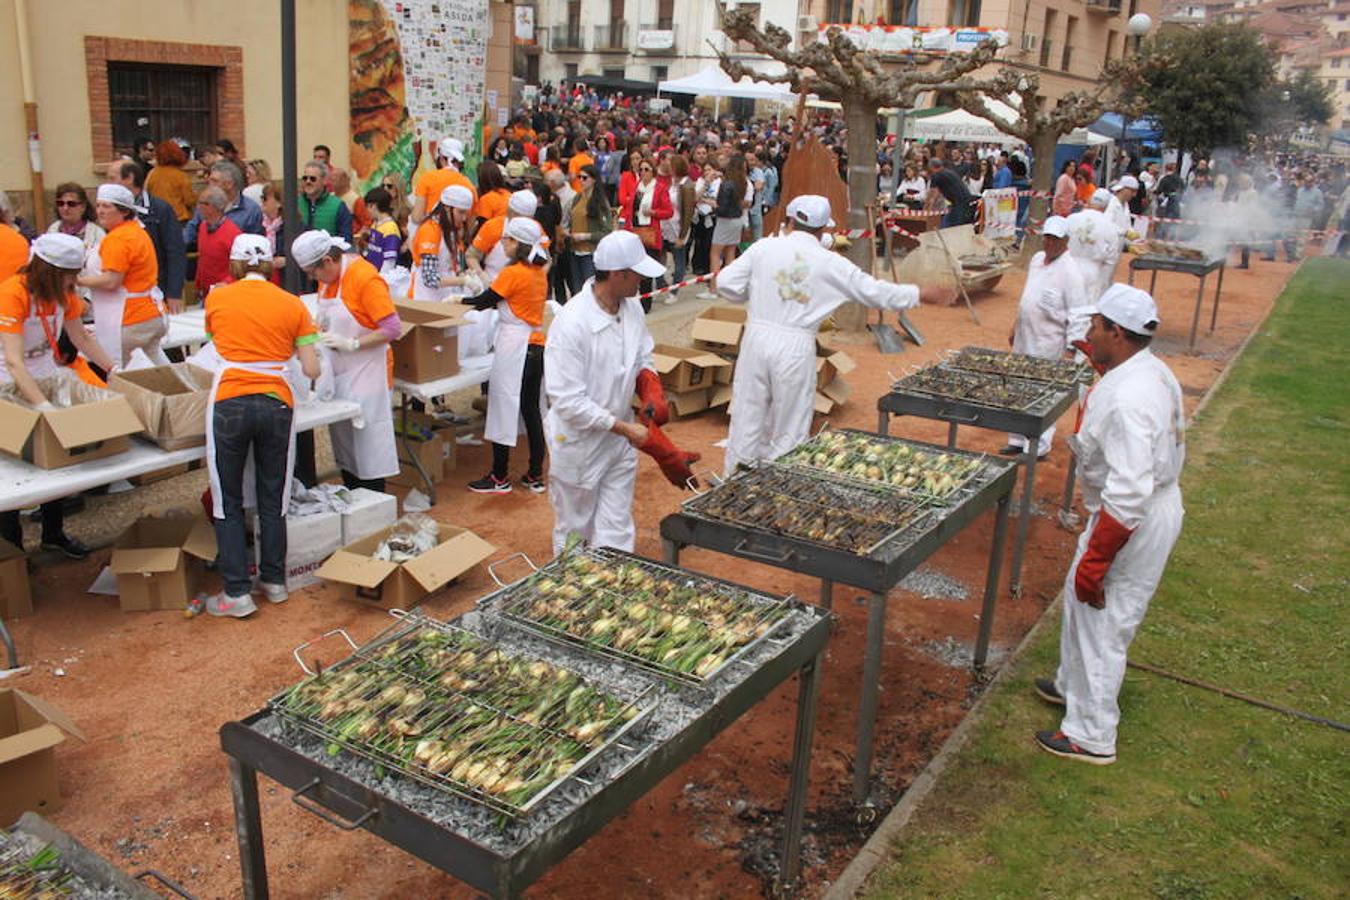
(698, 279)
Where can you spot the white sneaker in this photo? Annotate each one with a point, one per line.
(223, 604)
(707, 295)
(275, 593)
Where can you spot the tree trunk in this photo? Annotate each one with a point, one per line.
(861, 118)
(1043, 177)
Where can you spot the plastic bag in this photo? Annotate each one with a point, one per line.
(411, 536)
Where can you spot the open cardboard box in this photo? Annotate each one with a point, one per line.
(831, 365)
(95, 425)
(437, 455)
(174, 414)
(30, 730)
(719, 329)
(158, 561)
(390, 585)
(428, 346)
(16, 599)
(686, 368)
(836, 393)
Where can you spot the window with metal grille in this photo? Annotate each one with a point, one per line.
(162, 102)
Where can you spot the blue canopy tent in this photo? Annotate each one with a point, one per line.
(1143, 129)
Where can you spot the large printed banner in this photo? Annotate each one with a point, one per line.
(907, 39)
(417, 75)
(1000, 213)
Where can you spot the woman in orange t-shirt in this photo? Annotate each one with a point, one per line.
(128, 306)
(36, 303)
(256, 328)
(519, 293)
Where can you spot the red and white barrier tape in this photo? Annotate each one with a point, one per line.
(675, 287)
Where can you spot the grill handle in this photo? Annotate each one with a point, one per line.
(492, 566)
(709, 478)
(780, 556)
(959, 420)
(166, 881)
(301, 660)
(313, 806)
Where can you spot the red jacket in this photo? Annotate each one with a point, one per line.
(661, 208)
(213, 254)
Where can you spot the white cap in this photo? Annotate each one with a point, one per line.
(529, 233)
(451, 148)
(522, 203)
(65, 251)
(1130, 308)
(1126, 181)
(119, 195)
(622, 250)
(811, 210)
(1100, 197)
(251, 248)
(309, 249)
(457, 196)
(1056, 226)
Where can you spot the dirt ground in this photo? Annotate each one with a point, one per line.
(150, 787)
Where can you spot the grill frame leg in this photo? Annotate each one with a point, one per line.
(991, 581)
(794, 813)
(1024, 513)
(871, 691)
(248, 830)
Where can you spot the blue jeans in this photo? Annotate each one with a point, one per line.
(681, 257)
(583, 267)
(263, 423)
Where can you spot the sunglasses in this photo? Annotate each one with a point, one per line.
(584, 177)
(69, 203)
(309, 178)
(387, 186)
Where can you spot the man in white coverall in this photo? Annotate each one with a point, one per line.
(1052, 313)
(1130, 450)
(598, 355)
(1094, 243)
(792, 283)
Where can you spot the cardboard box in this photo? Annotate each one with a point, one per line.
(159, 561)
(428, 347)
(719, 395)
(310, 540)
(15, 597)
(836, 393)
(97, 424)
(831, 365)
(369, 511)
(431, 454)
(685, 368)
(170, 401)
(719, 329)
(30, 729)
(389, 585)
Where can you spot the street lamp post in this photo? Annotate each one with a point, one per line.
(1139, 25)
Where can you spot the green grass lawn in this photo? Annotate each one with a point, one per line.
(1210, 797)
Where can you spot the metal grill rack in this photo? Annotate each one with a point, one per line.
(877, 571)
(1020, 365)
(1200, 268)
(993, 391)
(563, 601)
(450, 709)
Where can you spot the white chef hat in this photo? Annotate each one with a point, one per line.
(457, 196)
(309, 249)
(451, 148)
(522, 203)
(64, 251)
(811, 210)
(252, 248)
(1056, 226)
(1129, 307)
(1126, 181)
(1100, 197)
(529, 233)
(119, 195)
(622, 250)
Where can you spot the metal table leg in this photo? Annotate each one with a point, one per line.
(883, 422)
(1024, 512)
(670, 552)
(413, 458)
(1199, 301)
(794, 813)
(951, 434)
(827, 593)
(248, 829)
(871, 690)
(1218, 289)
(11, 653)
(1153, 283)
(991, 581)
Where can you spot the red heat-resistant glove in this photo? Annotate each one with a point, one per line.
(1085, 348)
(673, 461)
(208, 504)
(1108, 536)
(653, 397)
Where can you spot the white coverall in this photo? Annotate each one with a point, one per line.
(792, 284)
(591, 364)
(1118, 214)
(1054, 311)
(1094, 243)
(1130, 448)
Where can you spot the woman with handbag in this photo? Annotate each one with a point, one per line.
(646, 209)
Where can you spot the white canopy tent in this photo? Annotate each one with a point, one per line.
(959, 125)
(713, 82)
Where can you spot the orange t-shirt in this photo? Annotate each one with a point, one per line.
(128, 249)
(525, 289)
(493, 204)
(13, 251)
(256, 321)
(489, 235)
(430, 184)
(366, 296)
(574, 166)
(16, 304)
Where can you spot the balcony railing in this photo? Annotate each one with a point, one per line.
(659, 38)
(612, 38)
(566, 37)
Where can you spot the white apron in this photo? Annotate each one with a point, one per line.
(109, 306)
(249, 488)
(39, 356)
(511, 341)
(365, 447)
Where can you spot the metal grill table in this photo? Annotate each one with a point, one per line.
(1200, 268)
(502, 857)
(956, 413)
(877, 571)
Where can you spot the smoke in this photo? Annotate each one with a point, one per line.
(1252, 217)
